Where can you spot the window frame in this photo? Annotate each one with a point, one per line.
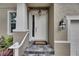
(8, 22)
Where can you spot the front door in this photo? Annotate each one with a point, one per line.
(38, 25)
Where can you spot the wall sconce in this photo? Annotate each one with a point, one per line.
(62, 25)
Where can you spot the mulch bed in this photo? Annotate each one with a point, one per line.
(6, 52)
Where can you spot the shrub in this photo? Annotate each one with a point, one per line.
(6, 42)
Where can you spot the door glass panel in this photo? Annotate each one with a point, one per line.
(33, 26)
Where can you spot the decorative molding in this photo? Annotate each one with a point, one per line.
(61, 42)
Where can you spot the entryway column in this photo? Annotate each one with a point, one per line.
(21, 19)
(19, 34)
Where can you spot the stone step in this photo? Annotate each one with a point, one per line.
(39, 50)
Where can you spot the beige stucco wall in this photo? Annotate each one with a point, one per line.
(51, 25)
(62, 49)
(4, 8)
(61, 10)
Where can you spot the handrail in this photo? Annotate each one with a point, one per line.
(23, 39)
(17, 45)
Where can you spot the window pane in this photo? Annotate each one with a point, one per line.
(13, 21)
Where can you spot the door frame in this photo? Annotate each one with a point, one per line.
(69, 19)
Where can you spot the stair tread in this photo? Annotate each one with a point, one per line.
(39, 50)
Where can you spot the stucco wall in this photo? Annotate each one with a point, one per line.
(62, 49)
(61, 10)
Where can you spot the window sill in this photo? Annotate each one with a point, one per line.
(20, 30)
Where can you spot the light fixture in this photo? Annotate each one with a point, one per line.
(62, 25)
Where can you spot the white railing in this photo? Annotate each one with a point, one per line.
(16, 45)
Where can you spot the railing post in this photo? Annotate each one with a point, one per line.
(16, 53)
(16, 48)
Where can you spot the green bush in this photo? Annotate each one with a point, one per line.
(7, 42)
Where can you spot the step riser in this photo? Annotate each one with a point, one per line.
(39, 50)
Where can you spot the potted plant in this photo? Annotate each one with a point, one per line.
(6, 42)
